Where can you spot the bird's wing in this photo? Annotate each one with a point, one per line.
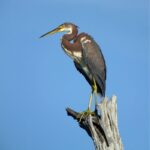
(94, 60)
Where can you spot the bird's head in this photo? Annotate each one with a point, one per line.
(65, 27)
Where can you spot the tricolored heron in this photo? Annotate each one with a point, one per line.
(86, 54)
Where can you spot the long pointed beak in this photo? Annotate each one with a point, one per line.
(58, 29)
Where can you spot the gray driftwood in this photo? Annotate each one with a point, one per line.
(101, 125)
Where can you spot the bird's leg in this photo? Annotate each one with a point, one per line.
(90, 101)
(95, 93)
(94, 90)
(88, 111)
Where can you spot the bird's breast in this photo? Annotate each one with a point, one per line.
(75, 55)
(68, 52)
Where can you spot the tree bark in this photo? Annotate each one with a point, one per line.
(101, 125)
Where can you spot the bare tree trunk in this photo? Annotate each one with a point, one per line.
(101, 125)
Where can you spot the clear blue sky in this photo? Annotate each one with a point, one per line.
(38, 81)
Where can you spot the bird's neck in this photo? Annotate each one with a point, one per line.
(68, 41)
(71, 46)
(74, 46)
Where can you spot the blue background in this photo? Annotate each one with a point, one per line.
(38, 81)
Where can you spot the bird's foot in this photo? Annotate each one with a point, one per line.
(85, 114)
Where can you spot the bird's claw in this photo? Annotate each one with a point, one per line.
(85, 114)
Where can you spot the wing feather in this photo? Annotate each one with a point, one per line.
(95, 62)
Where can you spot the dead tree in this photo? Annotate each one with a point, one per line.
(101, 125)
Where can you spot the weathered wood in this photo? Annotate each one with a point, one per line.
(101, 125)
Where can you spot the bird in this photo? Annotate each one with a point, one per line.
(86, 55)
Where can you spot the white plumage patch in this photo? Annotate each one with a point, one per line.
(86, 70)
(77, 54)
(85, 40)
(82, 39)
(68, 30)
